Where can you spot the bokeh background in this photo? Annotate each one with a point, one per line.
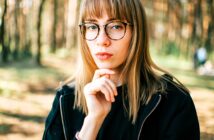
(38, 50)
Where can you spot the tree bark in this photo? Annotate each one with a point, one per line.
(55, 19)
(197, 24)
(39, 44)
(71, 36)
(210, 32)
(2, 35)
(17, 37)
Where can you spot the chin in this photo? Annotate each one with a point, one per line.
(104, 67)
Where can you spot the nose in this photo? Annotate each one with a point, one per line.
(102, 39)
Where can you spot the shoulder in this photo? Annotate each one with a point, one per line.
(63, 91)
(173, 88)
(175, 115)
(176, 96)
(176, 104)
(68, 89)
(176, 90)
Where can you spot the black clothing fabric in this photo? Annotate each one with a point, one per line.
(168, 116)
(122, 128)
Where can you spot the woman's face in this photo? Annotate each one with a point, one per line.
(108, 53)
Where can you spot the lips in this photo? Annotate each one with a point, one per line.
(103, 55)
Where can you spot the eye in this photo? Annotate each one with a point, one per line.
(116, 26)
(91, 27)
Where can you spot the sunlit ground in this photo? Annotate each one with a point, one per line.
(27, 92)
(26, 95)
(201, 88)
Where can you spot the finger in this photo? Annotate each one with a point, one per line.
(101, 72)
(112, 86)
(105, 90)
(99, 85)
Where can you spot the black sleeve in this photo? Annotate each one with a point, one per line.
(53, 124)
(184, 125)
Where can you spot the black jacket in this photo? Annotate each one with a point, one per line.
(169, 116)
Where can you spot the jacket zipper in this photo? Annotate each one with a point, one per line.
(63, 124)
(148, 116)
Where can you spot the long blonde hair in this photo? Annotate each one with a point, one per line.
(143, 76)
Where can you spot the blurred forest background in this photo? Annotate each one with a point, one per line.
(38, 41)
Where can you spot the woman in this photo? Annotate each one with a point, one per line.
(118, 92)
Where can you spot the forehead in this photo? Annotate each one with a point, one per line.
(97, 9)
(91, 17)
(104, 19)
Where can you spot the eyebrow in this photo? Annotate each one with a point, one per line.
(94, 20)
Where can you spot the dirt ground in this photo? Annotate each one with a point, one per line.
(22, 118)
(22, 113)
(204, 102)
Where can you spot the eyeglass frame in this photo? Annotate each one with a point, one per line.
(104, 26)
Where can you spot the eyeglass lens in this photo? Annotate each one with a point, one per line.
(114, 30)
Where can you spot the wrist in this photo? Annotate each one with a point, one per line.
(77, 135)
(90, 127)
(95, 117)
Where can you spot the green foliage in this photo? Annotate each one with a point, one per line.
(183, 70)
(171, 48)
(211, 57)
(24, 77)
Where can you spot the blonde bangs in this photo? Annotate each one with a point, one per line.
(115, 9)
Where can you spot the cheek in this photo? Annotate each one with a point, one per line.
(90, 47)
(125, 50)
(124, 53)
(126, 46)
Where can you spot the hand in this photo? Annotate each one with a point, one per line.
(99, 93)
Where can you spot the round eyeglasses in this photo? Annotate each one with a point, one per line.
(115, 30)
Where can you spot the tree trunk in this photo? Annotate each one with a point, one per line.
(197, 24)
(27, 43)
(72, 16)
(53, 39)
(210, 32)
(2, 35)
(39, 44)
(17, 37)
